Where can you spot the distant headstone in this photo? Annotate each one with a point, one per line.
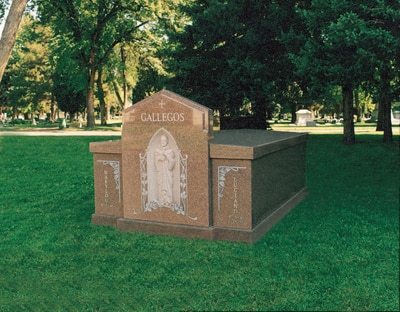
(374, 116)
(63, 124)
(303, 116)
(395, 118)
(171, 174)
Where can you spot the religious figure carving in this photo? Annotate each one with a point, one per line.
(163, 175)
(165, 162)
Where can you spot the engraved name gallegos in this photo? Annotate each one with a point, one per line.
(163, 117)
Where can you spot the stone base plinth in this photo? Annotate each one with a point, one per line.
(263, 227)
(209, 233)
(99, 219)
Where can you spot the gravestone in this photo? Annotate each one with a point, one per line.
(171, 174)
(311, 123)
(395, 118)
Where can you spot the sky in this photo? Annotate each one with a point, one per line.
(2, 22)
(32, 11)
(1, 27)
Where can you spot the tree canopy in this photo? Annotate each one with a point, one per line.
(243, 58)
(232, 54)
(346, 46)
(92, 29)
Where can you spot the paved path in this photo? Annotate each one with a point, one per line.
(332, 130)
(78, 132)
(56, 132)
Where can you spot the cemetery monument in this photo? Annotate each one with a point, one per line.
(172, 174)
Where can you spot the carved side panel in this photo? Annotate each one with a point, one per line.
(108, 186)
(232, 194)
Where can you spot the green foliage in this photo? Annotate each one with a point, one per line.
(232, 53)
(337, 250)
(142, 69)
(385, 18)
(347, 41)
(90, 31)
(69, 80)
(238, 56)
(3, 6)
(139, 64)
(69, 100)
(150, 80)
(27, 84)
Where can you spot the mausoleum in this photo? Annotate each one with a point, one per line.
(172, 174)
(303, 116)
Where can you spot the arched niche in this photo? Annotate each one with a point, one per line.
(163, 173)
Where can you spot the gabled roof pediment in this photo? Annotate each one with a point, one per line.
(168, 95)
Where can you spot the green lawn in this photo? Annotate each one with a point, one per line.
(337, 250)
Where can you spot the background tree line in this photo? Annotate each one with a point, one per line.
(239, 57)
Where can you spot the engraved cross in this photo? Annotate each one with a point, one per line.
(162, 103)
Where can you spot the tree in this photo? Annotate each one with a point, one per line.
(131, 64)
(342, 48)
(231, 56)
(68, 99)
(69, 81)
(385, 18)
(28, 83)
(9, 34)
(149, 73)
(95, 28)
(196, 55)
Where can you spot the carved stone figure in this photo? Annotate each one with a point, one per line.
(163, 174)
(165, 161)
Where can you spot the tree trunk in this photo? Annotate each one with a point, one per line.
(348, 121)
(293, 109)
(385, 106)
(125, 94)
(9, 35)
(100, 95)
(269, 113)
(90, 98)
(358, 106)
(108, 107)
(52, 108)
(387, 122)
(260, 114)
(118, 95)
(124, 81)
(381, 117)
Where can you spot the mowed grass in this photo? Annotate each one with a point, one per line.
(337, 250)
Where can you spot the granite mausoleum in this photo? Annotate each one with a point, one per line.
(172, 174)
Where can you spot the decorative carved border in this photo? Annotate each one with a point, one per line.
(222, 171)
(117, 175)
(182, 207)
